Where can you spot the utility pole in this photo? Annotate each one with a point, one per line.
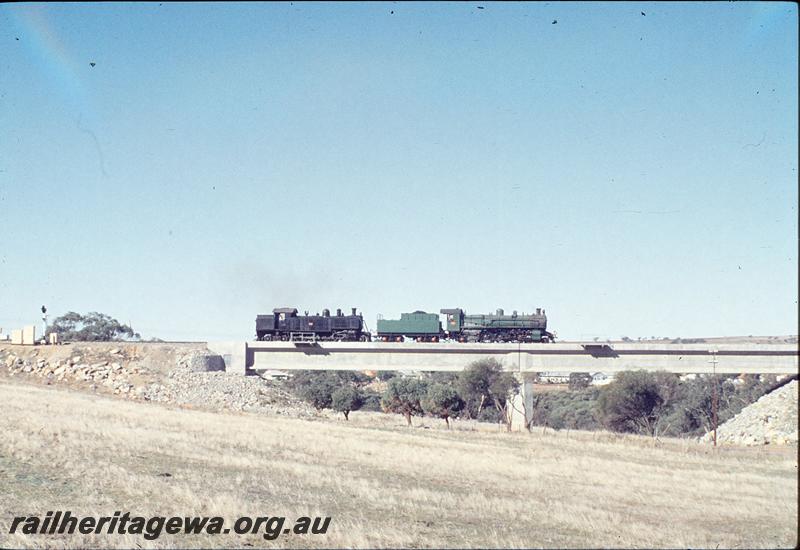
(714, 393)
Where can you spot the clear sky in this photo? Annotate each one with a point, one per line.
(630, 167)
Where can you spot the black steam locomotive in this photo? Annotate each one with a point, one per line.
(285, 324)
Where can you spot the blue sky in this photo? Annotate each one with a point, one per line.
(632, 174)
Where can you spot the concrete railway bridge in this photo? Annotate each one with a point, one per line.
(522, 359)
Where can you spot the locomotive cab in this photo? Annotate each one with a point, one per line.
(283, 313)
(455, 321)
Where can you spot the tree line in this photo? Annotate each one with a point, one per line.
(482, 391)
(651, 403)
(642, 402)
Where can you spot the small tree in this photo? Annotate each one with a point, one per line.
(346, 399)
(404, 396)
(473, 385)
(485, 383)
(442, 401)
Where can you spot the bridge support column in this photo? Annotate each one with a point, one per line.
(522, 404)
(235, 355)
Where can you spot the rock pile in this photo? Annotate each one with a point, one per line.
(115, 373)
(202, 362)
(225, 391)
(772, 420)
(153, 372)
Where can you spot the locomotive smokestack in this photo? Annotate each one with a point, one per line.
(326, 312)
(354, 311)
(538, 311)
(500, 312)
(338, 312)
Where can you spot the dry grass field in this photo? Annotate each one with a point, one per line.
(384, 485)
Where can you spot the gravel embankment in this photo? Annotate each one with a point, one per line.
(224, 391)
(173, 374)
(772, 420)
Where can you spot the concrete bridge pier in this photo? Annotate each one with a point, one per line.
(521, 405)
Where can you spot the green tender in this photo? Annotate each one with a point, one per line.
(410, 323)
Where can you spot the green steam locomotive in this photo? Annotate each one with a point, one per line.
(461, 327)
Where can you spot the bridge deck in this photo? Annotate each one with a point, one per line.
(560, 357)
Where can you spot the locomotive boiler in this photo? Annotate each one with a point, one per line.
(285, 324)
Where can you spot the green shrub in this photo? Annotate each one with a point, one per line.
(317, 387)
(636, 400)
(371, 400)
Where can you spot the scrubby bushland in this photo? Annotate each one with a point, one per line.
(566, 409)
(692, 411)
(481, 392)
(317, 387)
(653, 403)
(650, 403)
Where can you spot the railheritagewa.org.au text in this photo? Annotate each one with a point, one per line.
(151, 528)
